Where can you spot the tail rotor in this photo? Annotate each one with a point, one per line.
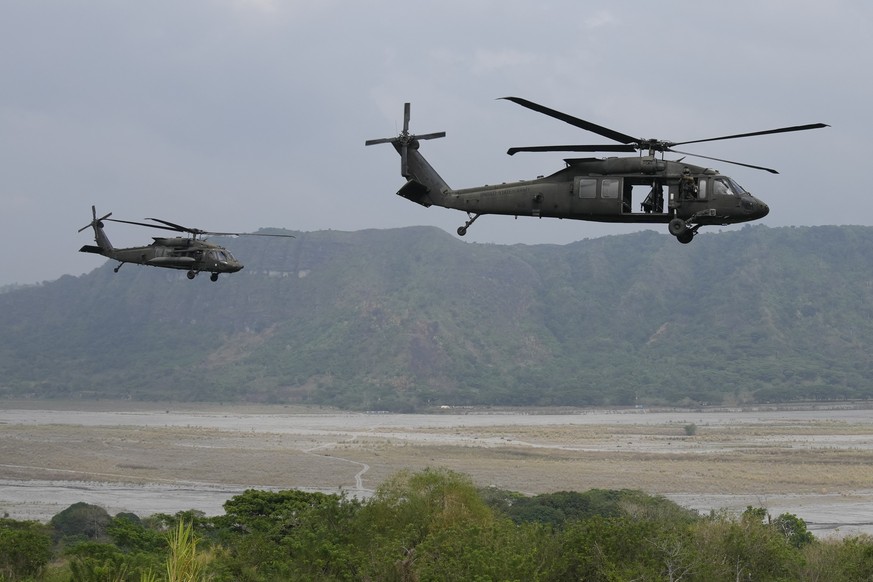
(95, 222)
(404, 141)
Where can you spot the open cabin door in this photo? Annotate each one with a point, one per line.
(644, 195)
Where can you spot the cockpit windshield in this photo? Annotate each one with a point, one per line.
(220, 256)
(725, 186)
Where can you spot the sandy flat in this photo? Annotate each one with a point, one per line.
(146, 458)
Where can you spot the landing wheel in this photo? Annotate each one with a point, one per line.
(213, 277)
(685, 237)
(191, 274)
(677, 227)
(462, 230)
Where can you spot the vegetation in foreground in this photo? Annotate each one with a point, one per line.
(430, 525)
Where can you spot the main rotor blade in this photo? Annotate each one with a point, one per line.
(256, 234)
(178, 227)
(754, 133)
(581, 123)
(771, 170)
(146, 224)
(406, 108)
(574, 148)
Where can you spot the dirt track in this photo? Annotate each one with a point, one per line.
(781, 459)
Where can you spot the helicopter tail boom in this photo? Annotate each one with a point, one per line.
(103, 244)
(424, 186)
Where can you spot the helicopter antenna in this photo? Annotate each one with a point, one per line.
(404, 141)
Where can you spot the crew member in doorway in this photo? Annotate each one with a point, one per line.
(687, 186)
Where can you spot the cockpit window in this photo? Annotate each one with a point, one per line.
(220, 256)
(736, 187)
(724, 186)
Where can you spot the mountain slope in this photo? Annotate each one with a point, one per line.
(398, 319)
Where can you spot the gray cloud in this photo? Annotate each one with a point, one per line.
(234, 114)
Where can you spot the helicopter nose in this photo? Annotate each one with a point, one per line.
(755, 208)
(761, 209)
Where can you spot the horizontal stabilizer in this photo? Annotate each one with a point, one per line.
(91, 249)
(417, 192)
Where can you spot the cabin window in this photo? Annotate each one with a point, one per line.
(701, 188)
(587, 187)
(609, 188)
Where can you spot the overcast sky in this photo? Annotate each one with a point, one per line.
(234, 115)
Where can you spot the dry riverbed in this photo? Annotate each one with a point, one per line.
(814, 462)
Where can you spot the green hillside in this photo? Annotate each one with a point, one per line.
(406, 318)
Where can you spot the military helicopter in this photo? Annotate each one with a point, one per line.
(595, 189)
(187, 253)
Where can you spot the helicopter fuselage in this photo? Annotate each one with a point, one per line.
(615, 190)
(640, 189)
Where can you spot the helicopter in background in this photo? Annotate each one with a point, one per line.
(595, 189)
(190, 253)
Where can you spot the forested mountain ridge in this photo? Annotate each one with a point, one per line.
(404, 318)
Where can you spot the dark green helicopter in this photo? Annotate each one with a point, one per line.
(189, 253)
(595, 189)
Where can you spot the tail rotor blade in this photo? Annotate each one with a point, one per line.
(403, 141)
(94, 220)
(404, 157)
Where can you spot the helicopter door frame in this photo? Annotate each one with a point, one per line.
(637, 190)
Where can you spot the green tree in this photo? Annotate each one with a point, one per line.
(794, 529)
(81, 520)
(25, 549)
(614, 548)
(129, 534)
(98, 562)
(500, 550)
(744, 548)
(409, 508)
(286, 535)
(838, 560)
